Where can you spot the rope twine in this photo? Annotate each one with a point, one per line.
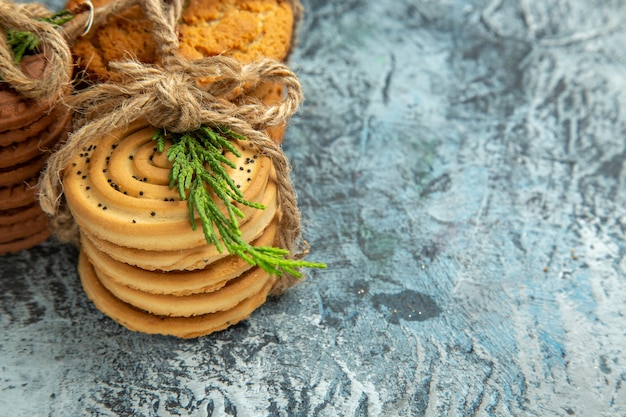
(58, 74)
(180, 96)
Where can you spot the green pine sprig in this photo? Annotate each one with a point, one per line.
(198, 168)
(24, 43)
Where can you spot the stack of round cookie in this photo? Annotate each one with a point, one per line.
(29, 130)
(141, 263)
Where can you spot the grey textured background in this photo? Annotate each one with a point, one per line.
(460, 167)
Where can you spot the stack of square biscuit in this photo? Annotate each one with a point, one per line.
(29, 130)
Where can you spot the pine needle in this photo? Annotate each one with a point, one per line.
(198, 165)
(25, 43)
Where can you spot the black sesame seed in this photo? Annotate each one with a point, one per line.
(87, 187)
(140, 192)
(153, 214)
(104, 170)
(99, 204)
(73, 164)
(114, 146)
(79, 172)
(88, 160)
(104, 208)
(134, 221)
(131, 157)
(241, 168)
(249, 170)
(84, 177)
(249, 179)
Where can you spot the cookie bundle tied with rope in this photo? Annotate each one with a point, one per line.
(186, 212)
(35, 79)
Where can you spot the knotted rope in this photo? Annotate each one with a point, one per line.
(58, 74)
(180, 96)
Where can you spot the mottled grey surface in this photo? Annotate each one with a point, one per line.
(460, 166)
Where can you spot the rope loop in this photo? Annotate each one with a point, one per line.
(53, 46)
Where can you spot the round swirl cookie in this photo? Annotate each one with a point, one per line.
(175, 259)
(118, 190)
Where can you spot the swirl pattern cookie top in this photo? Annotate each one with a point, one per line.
(118, 190)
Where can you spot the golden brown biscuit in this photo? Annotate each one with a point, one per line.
(197, 257)
(243, 29)
(118, 191)
(234, 292)
(183, 327)
(176, 282)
